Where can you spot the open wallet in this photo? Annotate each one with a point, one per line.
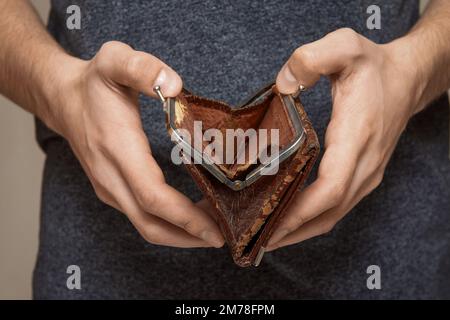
(248, 202)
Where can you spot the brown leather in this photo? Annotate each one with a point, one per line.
(248, 217)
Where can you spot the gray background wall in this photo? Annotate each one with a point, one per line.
(21, 163)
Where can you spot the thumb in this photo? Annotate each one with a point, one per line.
(330, 55)
(136, 69)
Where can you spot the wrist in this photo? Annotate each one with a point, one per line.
(60, 76)
(413, 70)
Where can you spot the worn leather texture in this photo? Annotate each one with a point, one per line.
(248, 217)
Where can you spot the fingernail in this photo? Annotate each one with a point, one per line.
(169, 82)
(277, 236)
(286, 81)
(212, 239)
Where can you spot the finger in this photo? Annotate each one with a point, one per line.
(318, 226)
(325, 222)
(112, 189)
(332, 54)
(146, 181)
(153, 229)
(136, 69)
(335, 175)
(343, 149)
(160, 232)
(362, 184)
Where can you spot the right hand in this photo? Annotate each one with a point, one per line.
(97, 112)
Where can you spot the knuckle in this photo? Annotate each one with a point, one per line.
(110, 47)
(148, 201)
(190, 226)
(134, 64)
(98, 140)
(353, 41)
(367, 130)
(305, 55)
(107, 56)
(106, 142)
(377, 179)
(336, 192)
(294, 222)
(327, 227)
(288, 226)
(102, 194)
(378, 159)
(104, 54)
(346, 33)
(152, 234)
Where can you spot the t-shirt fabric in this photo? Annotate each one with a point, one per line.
(227, 50)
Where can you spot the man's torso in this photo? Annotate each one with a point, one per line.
(227, 50)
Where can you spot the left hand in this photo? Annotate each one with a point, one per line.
(374, 95)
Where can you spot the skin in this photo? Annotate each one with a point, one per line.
(375, 89)
(93, 105)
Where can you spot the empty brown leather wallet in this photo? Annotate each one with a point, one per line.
(248, 216)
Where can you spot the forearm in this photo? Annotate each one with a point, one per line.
(426, 51)
(30, 59)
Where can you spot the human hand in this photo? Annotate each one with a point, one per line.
(97, 112)
(374, 94)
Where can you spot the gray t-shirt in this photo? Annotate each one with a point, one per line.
(227, 50)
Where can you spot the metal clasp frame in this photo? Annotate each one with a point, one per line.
(208, 163)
